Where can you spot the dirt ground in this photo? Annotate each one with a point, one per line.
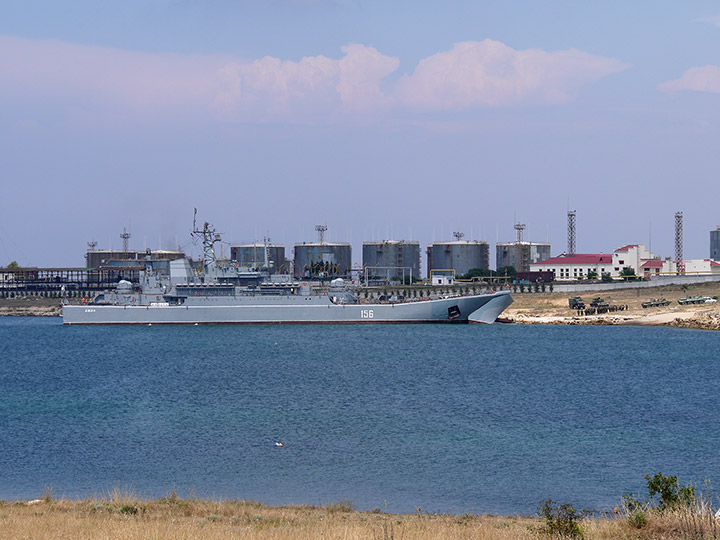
(552, 308)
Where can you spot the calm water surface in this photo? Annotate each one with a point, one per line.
(447, 418)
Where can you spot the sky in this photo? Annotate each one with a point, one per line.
(407, 119)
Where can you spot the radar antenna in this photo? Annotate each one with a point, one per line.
(458, 235)
(91, 244)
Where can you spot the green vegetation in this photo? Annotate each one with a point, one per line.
(628, 273)
(561, 519)
(668, 493)
(502, 272)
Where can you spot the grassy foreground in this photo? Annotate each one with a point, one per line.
(127, 517)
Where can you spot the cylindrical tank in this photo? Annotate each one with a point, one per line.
(315, 260)
(461, 256)
(715, 244)
(520, 255)
(392, 258)
(254, 254)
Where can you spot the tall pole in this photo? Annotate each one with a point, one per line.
(571, 231)
(519, 228)
(679, 243)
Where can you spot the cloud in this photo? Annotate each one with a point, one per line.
(103, 83)
(698, 79)
(311, 85)
(712, 20)
(489, 73)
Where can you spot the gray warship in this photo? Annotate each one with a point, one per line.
(226, 293)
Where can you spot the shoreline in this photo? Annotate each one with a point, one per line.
(549, 308)
(122, 515)
(695, 319)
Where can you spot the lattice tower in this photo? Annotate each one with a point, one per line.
(519, 228)
(679, 242)
(125, 237)
(571, 231)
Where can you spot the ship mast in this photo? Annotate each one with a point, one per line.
(209, 238)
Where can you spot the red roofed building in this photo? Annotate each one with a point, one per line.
(635, 256)
(572, 267)
(631, 256)
(655, 267)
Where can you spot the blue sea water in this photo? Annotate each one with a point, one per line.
(466, 418)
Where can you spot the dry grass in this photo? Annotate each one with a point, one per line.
(120, 515)
(123, 516)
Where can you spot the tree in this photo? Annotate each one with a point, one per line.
(592, 274)
(507, 270)
(668, 491)
(13, 265)
(628, 273)
(606, 277)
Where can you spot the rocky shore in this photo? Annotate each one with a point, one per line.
(30, 307)
(701, 320)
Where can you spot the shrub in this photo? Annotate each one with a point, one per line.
(128, 509)
(561, 519)
(638, 519)
(669, 492)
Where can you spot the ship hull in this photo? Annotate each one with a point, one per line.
(480, 308)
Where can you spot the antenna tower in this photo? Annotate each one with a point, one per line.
(458, 235)
(321, 232)
(209, 238)
(519, 228)
(125, 237)
(679, 243)
(571, 231)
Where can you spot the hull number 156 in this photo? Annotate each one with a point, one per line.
(366, 314)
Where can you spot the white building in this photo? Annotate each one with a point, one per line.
(635, 256)
(656, 267)
(702, 266)
(630, 256)
(573, 267)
